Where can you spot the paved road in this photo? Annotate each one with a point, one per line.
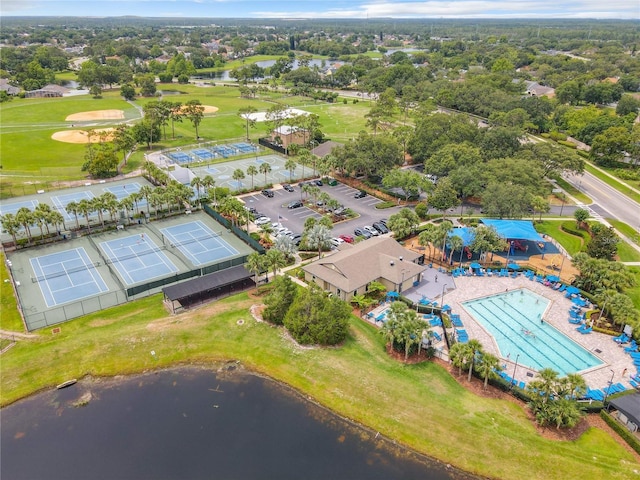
(607, 201)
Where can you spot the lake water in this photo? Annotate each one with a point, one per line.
(190, 424)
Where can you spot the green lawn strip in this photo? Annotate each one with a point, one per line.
(612, 182)
(625, 229)
(9, 316)
(634, 293)
(419, 405)
(573, 191)
(571, 243)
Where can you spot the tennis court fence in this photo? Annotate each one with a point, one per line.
(191, 240)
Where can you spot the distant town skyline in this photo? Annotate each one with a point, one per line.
(326, 9)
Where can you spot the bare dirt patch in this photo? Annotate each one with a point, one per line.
(96, 115)
(208, 109)
(80, 136)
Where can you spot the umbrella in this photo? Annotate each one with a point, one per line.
(553, 278)
(393, 294)
(513, 266)
(446, 308)
(475, 265)
(571, 289)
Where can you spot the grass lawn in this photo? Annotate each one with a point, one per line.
(418, 405)
(634, 293)
(31, 160)
(9, 316)
(625, 229)
(573, 191)
(571, 243)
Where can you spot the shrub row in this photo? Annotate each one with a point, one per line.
(621, 430)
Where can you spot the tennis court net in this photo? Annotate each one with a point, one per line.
(194, 240)
(64, 272)
(133, 255)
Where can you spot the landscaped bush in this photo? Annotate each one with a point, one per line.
(383, 205)
(568, 144)
(557, 136)
(621, 430)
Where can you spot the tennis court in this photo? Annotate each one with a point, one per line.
(223, 150)
(14, 207)
(124, 190)
(198, 242)
(244, 147)
(60, 202)
(66, 276)
(137, 258)
(180, 157)
(203, 154)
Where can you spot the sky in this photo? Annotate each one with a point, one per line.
(353, 9)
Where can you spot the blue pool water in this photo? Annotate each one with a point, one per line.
(513, 318)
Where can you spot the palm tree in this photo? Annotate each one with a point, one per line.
(110, 204)
(488, 366)
(443, 233)
(285, 244)
(40, 218)
(72, 207)
(252, 171)
(456, 243)
(265, 232)
(11, 225)
(304, 158)
(127, 205)
(256, 263)
(24, 216)
(290, 165)
(156, 200)
(460, 356)
(238, 176)
(98, 206)
(196, 182)
(208, 182)
(573, 385)
(319, 237)
(475, 347)
(427, 237)
(545, 383)
(275, 259)
(265, 168)
(86, 208)
(55, 218)
(145, 192)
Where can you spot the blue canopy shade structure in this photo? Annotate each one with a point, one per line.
(465, 233)
(393, 294)
(515, 229)
(475, 265)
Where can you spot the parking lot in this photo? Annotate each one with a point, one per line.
(293, 219)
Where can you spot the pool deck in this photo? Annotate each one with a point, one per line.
(602, 346)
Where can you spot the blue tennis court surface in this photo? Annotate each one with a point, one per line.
(60, 202)
(198, 242)
(244, 147)
(14, 207)
(213, 170)
(67, 276)
(123, 191)
(180, 157)
(137, 258)
(204, 154)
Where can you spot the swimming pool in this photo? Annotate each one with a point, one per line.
(514, 320)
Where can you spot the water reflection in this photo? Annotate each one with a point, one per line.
(192, 423)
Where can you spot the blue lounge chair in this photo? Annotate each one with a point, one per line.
(595, 395)
(575, 321)
(522, 385)
(437, 336)
(634, 384)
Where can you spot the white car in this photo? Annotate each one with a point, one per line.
(262, 221)
(371, 230)
(335, 241)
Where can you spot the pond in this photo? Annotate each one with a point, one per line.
(191, 423)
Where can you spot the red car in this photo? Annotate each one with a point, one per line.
(346, 238)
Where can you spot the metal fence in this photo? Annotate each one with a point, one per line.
(241, 234)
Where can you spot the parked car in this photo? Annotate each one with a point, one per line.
(268, 193)
(318, 183)
(287, 187)
(383, 221)
(296, 204)
(340, 210)
(371, 230)
(335, 241)
(297, 238)
(262, 221)
(360, 194)
(359, 232)
(346, 238)
(381, 227)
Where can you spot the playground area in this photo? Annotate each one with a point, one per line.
(78, 276)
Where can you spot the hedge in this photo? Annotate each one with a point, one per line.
(621, 430)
